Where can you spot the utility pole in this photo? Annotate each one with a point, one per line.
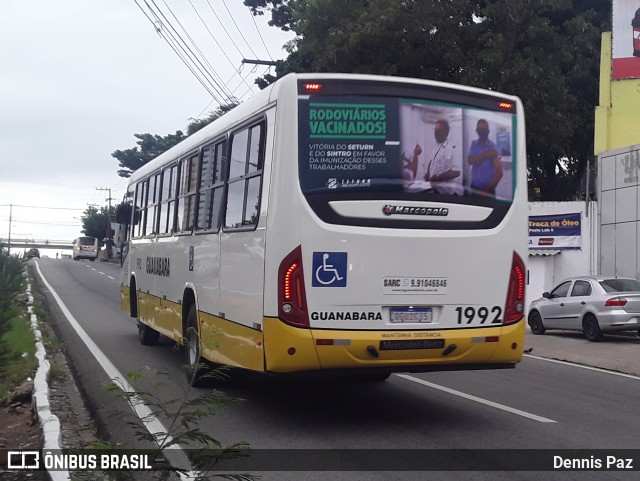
(109, 240)
(10, 220)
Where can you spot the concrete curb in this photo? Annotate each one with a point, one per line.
(49, 422)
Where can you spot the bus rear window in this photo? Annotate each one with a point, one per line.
(382, 147)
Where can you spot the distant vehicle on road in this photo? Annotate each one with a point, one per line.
(85, 248)
(591, 304)
(32, 253)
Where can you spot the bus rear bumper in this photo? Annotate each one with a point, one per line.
(290, 349)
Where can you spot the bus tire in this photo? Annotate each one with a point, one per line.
(195, 368)
(147, 335)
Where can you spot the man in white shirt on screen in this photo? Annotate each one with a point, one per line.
(439, 169)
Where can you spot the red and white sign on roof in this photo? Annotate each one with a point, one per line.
(625, 62)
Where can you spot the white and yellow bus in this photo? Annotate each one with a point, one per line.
(337, 223)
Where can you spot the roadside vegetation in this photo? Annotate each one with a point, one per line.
(17, 343)
(183, 415)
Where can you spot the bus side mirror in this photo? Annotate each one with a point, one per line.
(123, 214)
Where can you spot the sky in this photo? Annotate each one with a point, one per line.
(78, 78)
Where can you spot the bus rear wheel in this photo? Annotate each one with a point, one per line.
(147, 335)
(196, 368)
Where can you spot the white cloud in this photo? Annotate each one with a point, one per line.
(80, 77)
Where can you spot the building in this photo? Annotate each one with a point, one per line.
(567, 249)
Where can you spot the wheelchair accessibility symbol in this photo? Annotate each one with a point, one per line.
(329, 269)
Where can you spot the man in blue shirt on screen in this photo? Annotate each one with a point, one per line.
(486, 168)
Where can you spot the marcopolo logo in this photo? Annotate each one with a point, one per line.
(406, 210)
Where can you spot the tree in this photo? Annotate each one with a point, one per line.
(149, 146)
(544, 51)
(196, 124)
(281, 13)
(95, 222)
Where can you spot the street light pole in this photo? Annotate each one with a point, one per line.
(108, 232)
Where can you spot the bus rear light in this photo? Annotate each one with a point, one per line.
(312, 87)
(287, 282)
(615, 302)
(505, 105)
(292, 300)
(514, 306)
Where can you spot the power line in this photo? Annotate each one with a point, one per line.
(236, 25)
(257, 30)
(223, 27)
(39, 207)
(263, 73)
(186, 48)
(217, 79)
(182, 45)
(158, 25)
(218, 43)
(16, 221)
(244, 38)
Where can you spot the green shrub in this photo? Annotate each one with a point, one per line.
(12, 279)
(12, 285)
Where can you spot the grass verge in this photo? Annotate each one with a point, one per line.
(20, 362)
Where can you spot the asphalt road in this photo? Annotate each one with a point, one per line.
(540, 405)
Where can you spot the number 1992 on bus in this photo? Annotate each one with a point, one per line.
(471, 315)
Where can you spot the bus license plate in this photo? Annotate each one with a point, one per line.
(411, 344)
(411, 314)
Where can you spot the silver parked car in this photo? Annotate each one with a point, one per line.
(591, 304)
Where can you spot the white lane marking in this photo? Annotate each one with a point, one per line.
(99, 272)
(590, 368)
(146, 415)
(477, 399)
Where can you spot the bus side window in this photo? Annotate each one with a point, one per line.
(137, 226)
(136, 216)
(152, 203)
(187, 194)
(167, 199)
(211, 186)
(245, 175)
